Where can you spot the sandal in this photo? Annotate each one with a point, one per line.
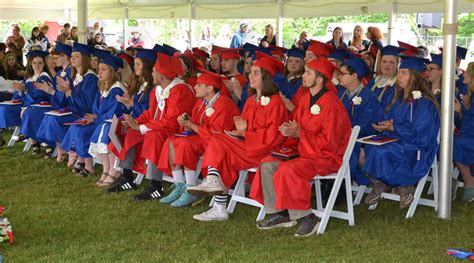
(21, 138)
(36, 148)
(114, 180)
(102, 178)
(78, 167)
(85, 173)
(49, 152)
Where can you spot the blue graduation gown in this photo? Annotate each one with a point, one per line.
(105, 107)
(367, 112)
(463, 145)
(33, 115)
(405, 162)
(384, 95)
(52, 128)
(141, 102)
(10, 114)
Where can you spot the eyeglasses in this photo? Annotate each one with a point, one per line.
(343, 73)
(429, 69)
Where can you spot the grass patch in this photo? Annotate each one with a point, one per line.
(59, 217)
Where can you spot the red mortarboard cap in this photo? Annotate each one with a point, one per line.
(320, 48)
(213, 79)
(216, 50)
(196, 62)
(230, 53)
(279, 66)
(278, 51)
(169, 66)
(323, 66)
(200, 53)
(411, 50)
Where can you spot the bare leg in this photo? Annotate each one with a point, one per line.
(60, 156)
(89, 164)
(72, 158)
(465, 172)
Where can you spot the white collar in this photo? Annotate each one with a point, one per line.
(34, 78)
(118, 85)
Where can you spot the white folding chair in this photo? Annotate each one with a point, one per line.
(417, 199)
(344, 174)
(238, 195)
(14, 137)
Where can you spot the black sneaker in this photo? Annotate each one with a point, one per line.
(276, 220)
(308, 226)
(149, 193)
(122, 186)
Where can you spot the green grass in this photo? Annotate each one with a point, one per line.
(59, 217)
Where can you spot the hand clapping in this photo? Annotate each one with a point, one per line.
(44, 86)
(383, 126)
(290, 129)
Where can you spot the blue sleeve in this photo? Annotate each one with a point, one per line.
(365, 116)
(81, 98)
(283, 86)
(243, 97)
(111, 105)
(35, 95)
(140, 106)
(96, 105)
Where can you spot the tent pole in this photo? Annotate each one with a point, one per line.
(124, 24)
(447, 115)
(192, 16)
(279, 21)
(391, 23)
(82, 21)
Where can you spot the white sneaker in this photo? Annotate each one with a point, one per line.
(211, 185)
(216, 213)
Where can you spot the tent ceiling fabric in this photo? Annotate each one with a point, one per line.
(206, 9)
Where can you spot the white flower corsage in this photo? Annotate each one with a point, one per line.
(315, 109)
(63, 74)
(357, 100)
(264, 100)
(34, 78)
(209, 112)
(165, 94)
(78, 79)
(437, 92)
(416, 94)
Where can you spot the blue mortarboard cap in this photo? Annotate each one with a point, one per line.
(248, 47)
(437, 59)
(99, 52)
(358, 65)
(169, 50)
(340, 54)
(147, 54)
(63, 48)
(266, 51)
(392, 51)
(37, 53)
(306, 45)
(111, 60)
(415, 63)
(295, 52)
(84, 49)
(461, 52)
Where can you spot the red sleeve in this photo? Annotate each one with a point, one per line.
(148, 113)
(222, 118)
(260, 140)
(241, 78)
(181, 100)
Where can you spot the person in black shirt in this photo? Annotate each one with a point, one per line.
(269, 38)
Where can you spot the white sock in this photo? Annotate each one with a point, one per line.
(178, 176)
(191, 178)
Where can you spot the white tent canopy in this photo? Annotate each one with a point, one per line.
(206, 9)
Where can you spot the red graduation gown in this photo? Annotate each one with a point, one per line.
(189, 149)
(180, 100)
(229, 155)
(323, 140)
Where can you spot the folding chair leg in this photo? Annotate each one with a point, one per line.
(239, 190)
(330, 205)
(14, 137)
(138, 180)
(27, 145)
(350, 205)
(261, 214)
(319, 197)
(55, 152)
(360, 193)
(416, 197)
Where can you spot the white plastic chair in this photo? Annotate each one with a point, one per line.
(344, 174)
(14, 137)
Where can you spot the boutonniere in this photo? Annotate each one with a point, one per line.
(357, 100)
(315, 109)
(264, 100)
(165, 94)
(63, 74)
(416, 94)
(209, 112)
(78, 79)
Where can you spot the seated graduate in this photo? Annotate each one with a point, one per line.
(413, 118)
(383, 84)
(213, 113)
(461, 54)
(52, 128)
(319, 132)
(170, 98)
(434, 72)
(103, 110)
(463, 151)
(256, 135)
(37, 102)
(80, 92)
(136, 101)
(362, 106)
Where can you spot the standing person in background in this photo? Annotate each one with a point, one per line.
(269, 38)
(337, 40)
(375, 36)
(37, 39)
(15, 43)
(239, 37)
(99, 41)
(3, 48)
(358, 43)
(302, 41)
(73, 36)
(64, 33)
(44, 32)
(136, 40)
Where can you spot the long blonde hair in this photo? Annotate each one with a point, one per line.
(470, 86)
(357, 40)
(105, 85)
